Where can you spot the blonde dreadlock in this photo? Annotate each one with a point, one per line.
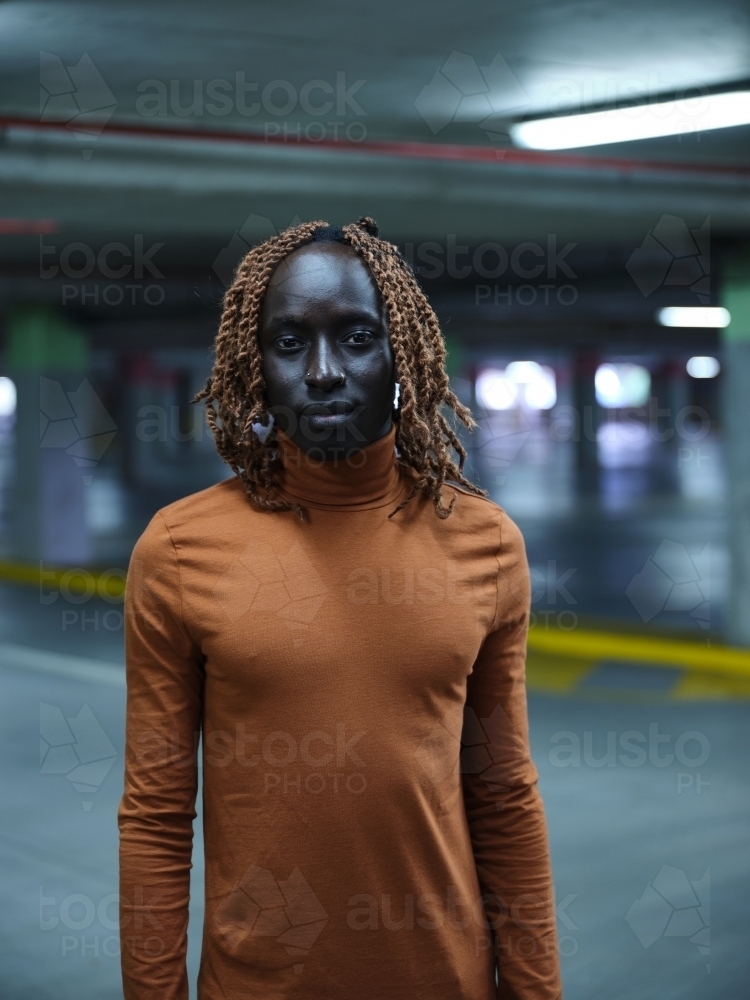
(235, 393)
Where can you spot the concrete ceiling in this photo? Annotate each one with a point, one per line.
(447, 77)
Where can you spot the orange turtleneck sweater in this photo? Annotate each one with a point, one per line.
(372, 822)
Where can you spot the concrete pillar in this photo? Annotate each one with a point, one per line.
(670, 395)
(673, 393)
(47, 360)
(589, 418)
(736, 378)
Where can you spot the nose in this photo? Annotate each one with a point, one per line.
(323, 372)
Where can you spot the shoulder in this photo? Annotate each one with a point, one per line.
(482, 511)
(512, 568)
(195, 514)
(219, 500)
(473, 515)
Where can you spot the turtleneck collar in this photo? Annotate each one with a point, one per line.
(367, 478)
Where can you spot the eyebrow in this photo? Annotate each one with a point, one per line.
(351, 316)
(280, 321)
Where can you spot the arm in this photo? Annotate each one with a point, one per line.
(503, 806)
(164, 706)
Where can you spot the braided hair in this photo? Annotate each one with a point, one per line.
(235, 393)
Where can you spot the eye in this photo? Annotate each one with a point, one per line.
(358, 339)
(289, 343)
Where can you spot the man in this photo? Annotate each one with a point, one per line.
(344, 621)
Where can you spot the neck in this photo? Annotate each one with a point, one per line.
(351, 479)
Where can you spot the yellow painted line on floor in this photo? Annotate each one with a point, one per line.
(583, 644)
(698, 685)
(555, 674)
(108, 583)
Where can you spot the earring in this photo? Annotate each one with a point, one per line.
(263, 430)
(396, 395)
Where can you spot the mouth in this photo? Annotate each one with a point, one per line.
(329, 414)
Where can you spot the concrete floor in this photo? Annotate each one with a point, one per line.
(615, 830)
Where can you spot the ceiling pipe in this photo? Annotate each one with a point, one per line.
(398, 148)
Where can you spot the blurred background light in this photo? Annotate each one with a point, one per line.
(642, 121)
(694, 316)
(7, 396)
(523, 372)
(540, 392)
(522, 383)
(703, 367)
(495, 391)
(622, 385)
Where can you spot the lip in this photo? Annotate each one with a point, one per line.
(320, 416)
(319, 421)
(331, 408)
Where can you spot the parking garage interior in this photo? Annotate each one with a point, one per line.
(612, 425)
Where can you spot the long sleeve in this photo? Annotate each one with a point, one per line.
(164, 706)
(503, 806)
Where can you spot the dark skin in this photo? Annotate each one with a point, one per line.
(327, 358)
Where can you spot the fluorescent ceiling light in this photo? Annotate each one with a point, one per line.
(641, 121)
(700, 316)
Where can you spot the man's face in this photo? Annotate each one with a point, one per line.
(327, 359)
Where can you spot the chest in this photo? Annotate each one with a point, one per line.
(364, 605)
